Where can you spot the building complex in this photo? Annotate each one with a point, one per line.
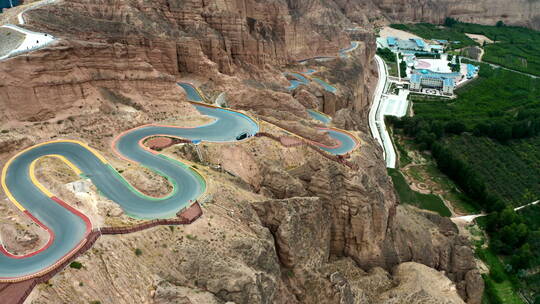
(433, 75)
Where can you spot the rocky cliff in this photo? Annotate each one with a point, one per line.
(285, 225)
(518, 12)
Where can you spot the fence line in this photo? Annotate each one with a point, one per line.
(17, 292)
(342, 159)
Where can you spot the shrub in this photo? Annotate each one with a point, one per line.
(138, 252)
(76, 265)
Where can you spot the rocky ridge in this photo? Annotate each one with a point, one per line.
(365, 13)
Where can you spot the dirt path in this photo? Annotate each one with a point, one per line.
(392, 32)
(427, 187)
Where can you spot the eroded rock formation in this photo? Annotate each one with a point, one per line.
(519, 12)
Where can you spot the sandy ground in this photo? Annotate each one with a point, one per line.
(479, 38)
(392, 32)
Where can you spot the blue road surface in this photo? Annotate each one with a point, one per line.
(347, 143)
(318, 116)
(8, 3)
(343, 52)
(300, 80)
(69, 229)
(325, 85)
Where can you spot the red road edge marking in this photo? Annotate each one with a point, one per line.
(49, 242)
(77, 213)
(51, 233)
(339, 144)
(357, 143)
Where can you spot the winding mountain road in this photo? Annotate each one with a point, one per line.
(69, 228)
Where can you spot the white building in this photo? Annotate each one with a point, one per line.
(435, 81)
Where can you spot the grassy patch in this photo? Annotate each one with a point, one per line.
(515, 47)
(427, 172)
(392, 68)
(497, 96)
(424, 201)
(499, 285)
(404, 158)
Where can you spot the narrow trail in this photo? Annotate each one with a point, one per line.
(470, 218)
(33, 40)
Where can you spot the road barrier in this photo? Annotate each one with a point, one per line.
(342, 159)
(16, 292)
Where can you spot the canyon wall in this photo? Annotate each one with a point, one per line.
(517, 12)
(156, 41)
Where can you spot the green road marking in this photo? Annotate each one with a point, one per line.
(197, 174)
(142, 195)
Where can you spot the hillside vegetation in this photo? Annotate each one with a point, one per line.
(488, 141)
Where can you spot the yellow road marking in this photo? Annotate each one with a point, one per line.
(204, 98)
(66, 161)
(6, 190)
(8, 163)
(31, 171)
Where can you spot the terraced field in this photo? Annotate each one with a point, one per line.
(423, 201)
(510, 170)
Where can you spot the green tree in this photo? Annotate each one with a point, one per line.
(403, 68)
(386, 54)
(455, 127)
(508, 217)
(499, 23)
(448, 21)
(522, 258)
(497, 274)
(514, 236)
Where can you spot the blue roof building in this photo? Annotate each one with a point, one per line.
(416, 78)
(472, 70)
(436, 48)
(391, 41)
(449, 82)
(441, 41)
(419, 42)
(427, 79)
